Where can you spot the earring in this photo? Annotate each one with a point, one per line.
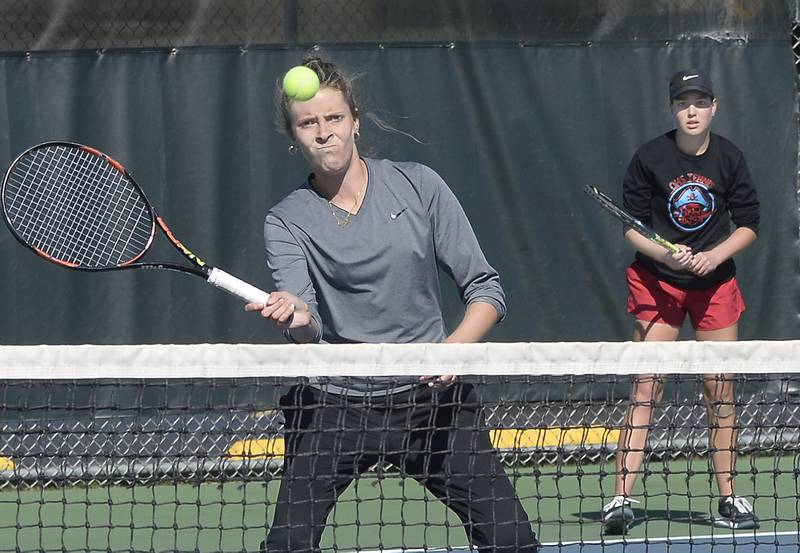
(356, 135)
(292, 149)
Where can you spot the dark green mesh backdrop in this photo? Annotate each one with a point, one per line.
(516, 106)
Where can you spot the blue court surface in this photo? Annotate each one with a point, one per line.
(762, 542)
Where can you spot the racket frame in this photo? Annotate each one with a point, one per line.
(197, 266)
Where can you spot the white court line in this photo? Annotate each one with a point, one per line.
(733, 535)
(723, 534)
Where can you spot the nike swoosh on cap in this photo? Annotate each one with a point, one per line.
(687, 77)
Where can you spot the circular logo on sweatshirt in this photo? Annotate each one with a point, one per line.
(691, 206)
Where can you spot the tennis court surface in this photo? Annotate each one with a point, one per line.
(181, 448)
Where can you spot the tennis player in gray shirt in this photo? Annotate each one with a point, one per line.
(377, 279)
(355, 254)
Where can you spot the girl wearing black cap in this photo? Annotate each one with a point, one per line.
(689, 185)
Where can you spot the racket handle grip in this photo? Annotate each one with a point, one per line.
(237, 287)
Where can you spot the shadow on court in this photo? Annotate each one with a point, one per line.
(699, 518)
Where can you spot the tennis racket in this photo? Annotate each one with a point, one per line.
(629, 219)
(78, 208)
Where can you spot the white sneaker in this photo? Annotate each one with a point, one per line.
(737, 513)
(618, 515)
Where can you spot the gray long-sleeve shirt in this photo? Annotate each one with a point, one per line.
(376, 279)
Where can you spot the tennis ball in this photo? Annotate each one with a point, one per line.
(300, 83)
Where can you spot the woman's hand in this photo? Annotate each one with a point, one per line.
(284, 309)
(680, 260)
(479, 317)
(704, 263)
(442, 381)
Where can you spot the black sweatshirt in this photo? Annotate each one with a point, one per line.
(690, 200)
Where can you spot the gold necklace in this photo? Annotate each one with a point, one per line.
(343, 222)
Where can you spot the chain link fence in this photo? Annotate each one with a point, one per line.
(796, 40)
(97, 432)
(30, 25)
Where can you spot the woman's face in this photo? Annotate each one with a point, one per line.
(693, 112)
(324, 129)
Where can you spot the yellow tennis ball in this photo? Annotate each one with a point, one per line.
(300, 83)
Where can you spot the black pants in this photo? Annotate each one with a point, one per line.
(436, 437)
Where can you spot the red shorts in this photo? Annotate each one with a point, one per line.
(653, 300)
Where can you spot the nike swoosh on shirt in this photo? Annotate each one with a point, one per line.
(394, 215)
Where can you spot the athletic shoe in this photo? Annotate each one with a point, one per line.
(618, 515)
(736, 512)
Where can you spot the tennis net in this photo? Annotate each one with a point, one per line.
(183, 447)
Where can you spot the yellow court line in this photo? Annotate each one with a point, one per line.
(522, 439)
(505, 439)
(531, 438)
(262, 448)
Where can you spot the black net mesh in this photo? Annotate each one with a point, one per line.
(187, 464)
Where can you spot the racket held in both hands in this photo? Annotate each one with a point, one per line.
(628, 219)
(79, 208)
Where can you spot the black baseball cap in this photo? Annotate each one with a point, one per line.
(690, 79)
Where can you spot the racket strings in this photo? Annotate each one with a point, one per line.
(66, 200)
(111, 249)
(77, 208)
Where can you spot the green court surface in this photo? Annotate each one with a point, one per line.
(564, 503)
